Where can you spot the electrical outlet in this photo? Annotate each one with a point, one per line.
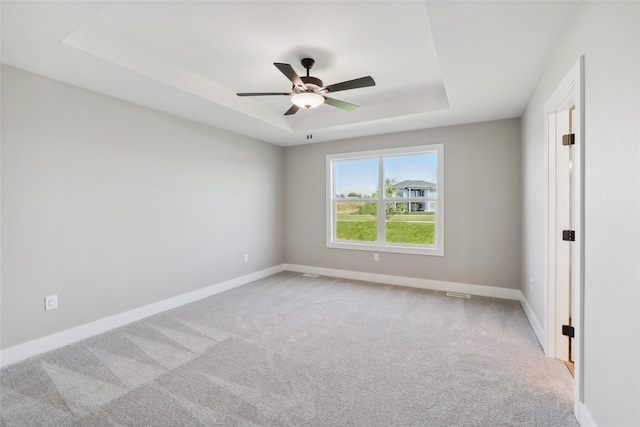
(376, 257)
(246, 257)
(51, 303)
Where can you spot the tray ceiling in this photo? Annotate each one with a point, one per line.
(434, 63)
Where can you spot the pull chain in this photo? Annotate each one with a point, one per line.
(309, 124)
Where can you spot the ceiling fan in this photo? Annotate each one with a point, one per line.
(309, 92)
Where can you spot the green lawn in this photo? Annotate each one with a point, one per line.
(411, 232)
(356, 230)
(397, 232)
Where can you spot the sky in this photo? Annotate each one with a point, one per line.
(361, 176)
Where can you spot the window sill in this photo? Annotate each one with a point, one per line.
(376, 247)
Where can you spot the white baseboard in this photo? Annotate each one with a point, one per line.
(585, 419)
(535, 324)
(436, 285)
(32, 348)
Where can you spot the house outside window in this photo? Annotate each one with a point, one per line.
(406, 216)
(416, 188)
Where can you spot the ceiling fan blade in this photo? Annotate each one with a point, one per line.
(340, 104)
(290, 73)
(294, 109)
(351, 84)
(264, 93)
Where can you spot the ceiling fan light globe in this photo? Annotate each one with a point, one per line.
(307, 100)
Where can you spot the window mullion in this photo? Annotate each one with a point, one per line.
(381, 208)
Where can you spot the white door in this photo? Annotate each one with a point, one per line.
(565, 196)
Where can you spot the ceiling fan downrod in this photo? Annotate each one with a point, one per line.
(307, 63)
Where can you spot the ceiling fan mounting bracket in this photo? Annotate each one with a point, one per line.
(307, 63)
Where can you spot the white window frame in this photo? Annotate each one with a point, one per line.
(437, 249)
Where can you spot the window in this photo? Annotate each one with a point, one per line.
(387, 200)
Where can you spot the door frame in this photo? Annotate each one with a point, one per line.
(571, 88)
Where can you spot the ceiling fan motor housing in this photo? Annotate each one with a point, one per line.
(313, 84)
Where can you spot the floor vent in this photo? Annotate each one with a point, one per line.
(313, 276)
(458, 295)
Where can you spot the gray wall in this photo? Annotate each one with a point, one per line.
(608, 35)
(112, 206)
(482, 206)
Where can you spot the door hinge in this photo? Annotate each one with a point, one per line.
(569, 235)
(569, 139)
(568, 331)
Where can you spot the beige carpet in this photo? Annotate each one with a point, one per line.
(296, 351)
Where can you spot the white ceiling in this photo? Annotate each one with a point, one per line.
(434, 63)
